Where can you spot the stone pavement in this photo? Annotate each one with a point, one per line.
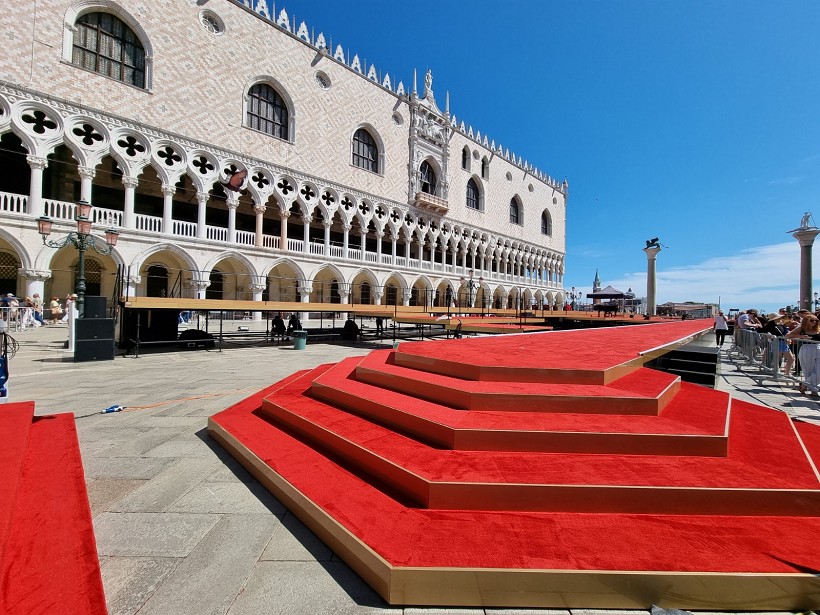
(181, 527)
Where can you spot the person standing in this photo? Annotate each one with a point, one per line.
(56, 310)
(721, 327)
(809, 331)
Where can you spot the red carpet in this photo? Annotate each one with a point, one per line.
(431, 459)
(49, 560)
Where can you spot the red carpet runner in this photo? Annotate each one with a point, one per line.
(545, 469)
(48, 558)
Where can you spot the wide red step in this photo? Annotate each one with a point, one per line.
(750, 480)
(641, 392)
(675, 432)
(407, 536)
(15, 429)
(51, 563)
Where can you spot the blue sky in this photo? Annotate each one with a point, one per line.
(697, 122)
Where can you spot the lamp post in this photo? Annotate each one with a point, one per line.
(83, 240)
(816, 301)
(471, 287)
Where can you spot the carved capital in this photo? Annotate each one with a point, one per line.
(260, 209)
(86, 172)
(34, 274)
(130, 182)
(199, 284)
(305, 290)
(257, 288)
(36, 163)
(168, 189)
(202, 197)
(133, 280)
(284, 214)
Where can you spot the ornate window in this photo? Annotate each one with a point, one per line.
(427, 178)
(104, 44)
(485, 168)
(267, 111)
(365, 151)
(515, 211)
(473, 195)
(465, 159)
(546, 224)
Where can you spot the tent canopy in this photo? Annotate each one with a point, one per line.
(606, 293)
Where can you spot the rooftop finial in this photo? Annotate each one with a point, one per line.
(415, 89)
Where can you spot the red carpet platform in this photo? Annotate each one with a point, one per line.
(48, 554)
(546, 469)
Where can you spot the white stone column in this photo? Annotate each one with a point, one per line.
(379, 236)
(377, 296)
(407, 241)
(406, 294)
(283, 229)
(129, 220)
(132, 282)
(363, 235)
(257, 288)
(258, 237)
(35, 282)
(199, 286)
(167, 208)
(202, 203)
(326, 250)
(346, 239)
(394, 241)
(86, 175)
(232, 204)
(306, 234)
(35, 190)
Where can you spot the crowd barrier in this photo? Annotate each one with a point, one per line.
(774, 357)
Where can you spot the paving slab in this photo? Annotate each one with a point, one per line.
(159, 493)
(292, 541)
(151, 534)
(130, 581)
(124, 467)
(296, 588)
(228, 498)
(104, 492)
(208, 580)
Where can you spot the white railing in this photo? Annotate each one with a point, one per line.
(216, 233)
(401, 261)
(370, 257)
(270, 241)
(245, 238)
(354, 254)
(59, 210)
(184, 229)
(317, 248)
(13, 203)
(295, 245)
(107, 217)
(152, 224)
(336, 251)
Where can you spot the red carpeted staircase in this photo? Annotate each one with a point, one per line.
(48, 555)
(546, 470)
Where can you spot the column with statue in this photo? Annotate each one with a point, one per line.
(805, 235)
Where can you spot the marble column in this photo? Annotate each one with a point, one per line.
(168, 191)
(129, 220)
(651, 254)
(35, 191)
(805, 236)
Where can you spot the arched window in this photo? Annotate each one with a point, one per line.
(546, 224)
(465, 159)
(427, 178)
(391, 295)
(364, 293)
(267, 111)
(217, 286)
(156, 283)
(485, 168)
(515, 211)
(105, 45)
(8, 273)
(472, 195)
(365, 151)
(93, 276)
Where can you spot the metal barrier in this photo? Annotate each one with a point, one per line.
(774, 357)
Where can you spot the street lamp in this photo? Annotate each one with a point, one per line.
(816, 301)
(471, 287)
(82, 239)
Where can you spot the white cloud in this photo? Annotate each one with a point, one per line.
(766, 277)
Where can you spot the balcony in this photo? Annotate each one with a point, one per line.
(431, 203)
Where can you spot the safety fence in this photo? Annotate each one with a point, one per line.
(768, 357)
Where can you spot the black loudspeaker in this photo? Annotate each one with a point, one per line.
(94, 329)
(93, 350)
(95, 307)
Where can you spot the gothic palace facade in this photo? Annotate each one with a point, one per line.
(358, 189)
